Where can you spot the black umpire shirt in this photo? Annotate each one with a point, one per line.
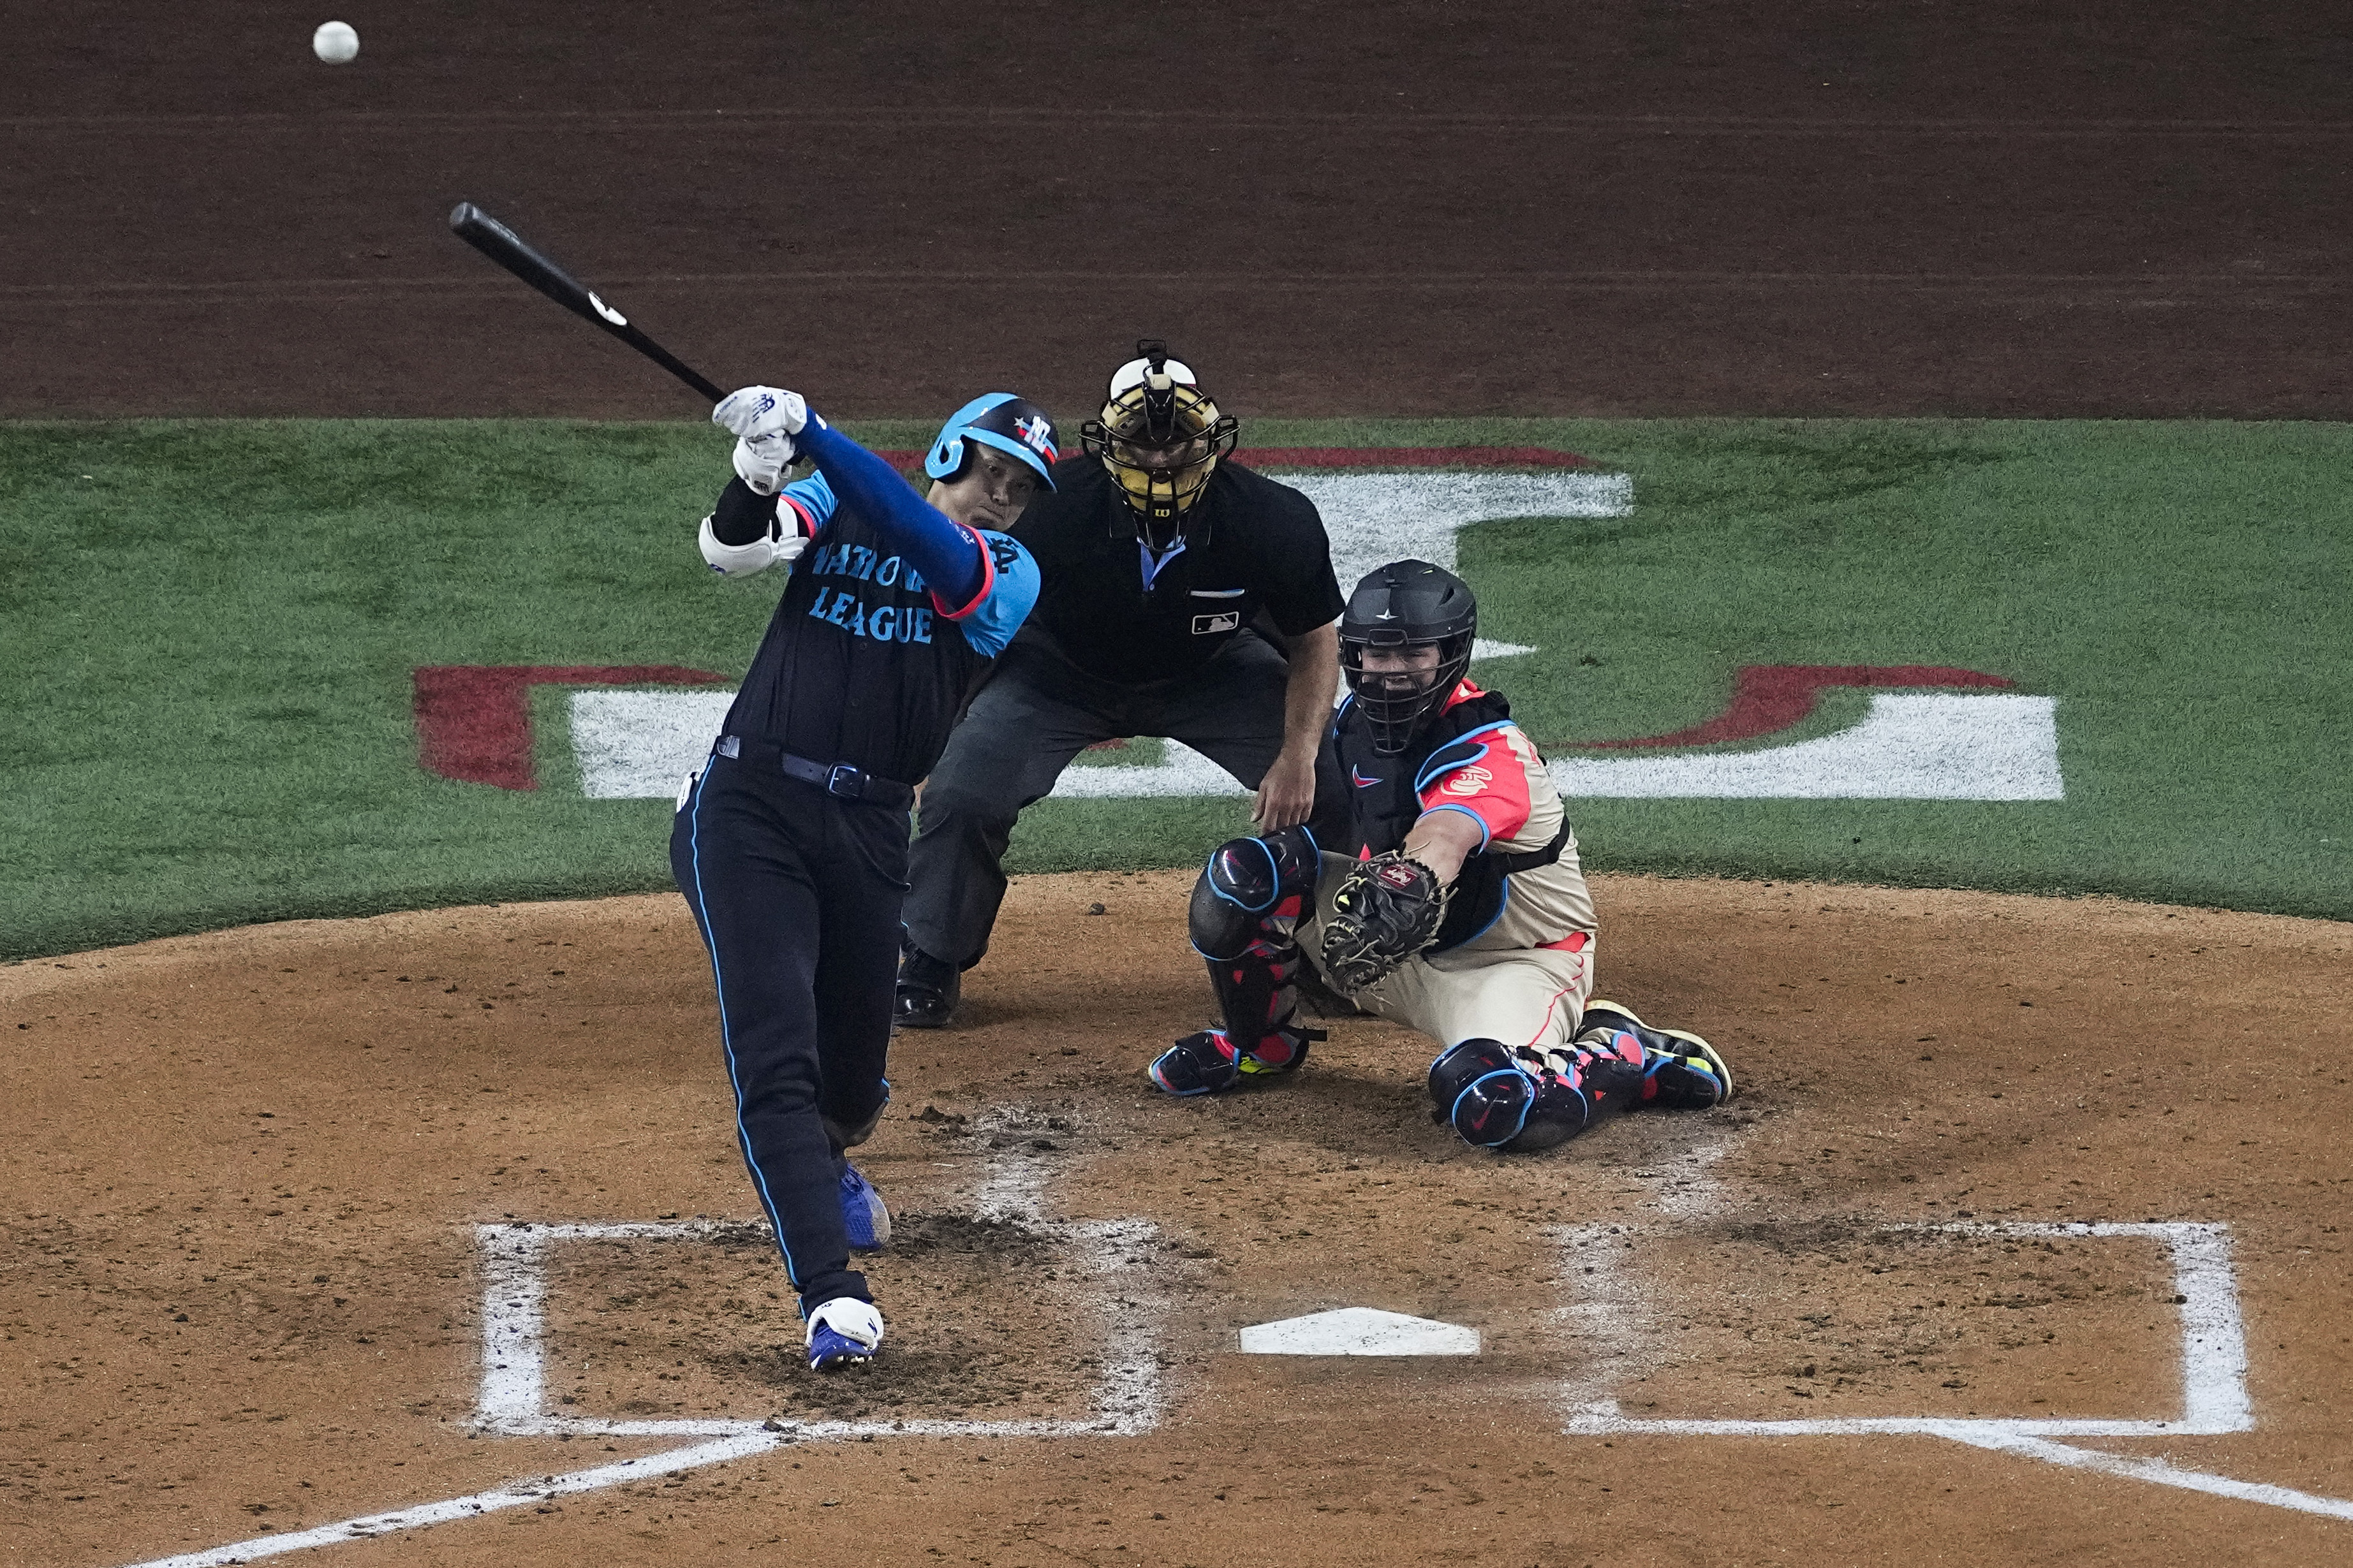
(1250, 544)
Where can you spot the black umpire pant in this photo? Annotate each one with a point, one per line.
(1036, 713)
(798, 893)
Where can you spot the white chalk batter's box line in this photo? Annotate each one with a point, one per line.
(1130, 1399)
(1127, 1399)
(2214, 1399)
(2213, 1354)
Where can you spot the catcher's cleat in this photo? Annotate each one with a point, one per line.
(1205, 1062)
(1280, 1050)
(1201, 1063)
(927, 991)
(863, 1216)
(844, 1331)
(1681, 1071)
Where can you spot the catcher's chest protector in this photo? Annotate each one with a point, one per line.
(1384, 805)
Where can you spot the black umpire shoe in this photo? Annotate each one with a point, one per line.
(926, 996)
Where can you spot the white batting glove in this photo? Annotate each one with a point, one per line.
(761, 411)
(761, 462)
(764, 420)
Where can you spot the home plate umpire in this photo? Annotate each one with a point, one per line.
(1184, 596)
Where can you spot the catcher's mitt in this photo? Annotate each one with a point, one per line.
(1384, 911)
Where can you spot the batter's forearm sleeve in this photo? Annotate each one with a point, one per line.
(743, 515)
(949, 557)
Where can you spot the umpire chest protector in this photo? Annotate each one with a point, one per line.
(1383, 796)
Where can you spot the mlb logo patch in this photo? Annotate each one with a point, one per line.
(1205, 625)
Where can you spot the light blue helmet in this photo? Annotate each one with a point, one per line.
(999, 419)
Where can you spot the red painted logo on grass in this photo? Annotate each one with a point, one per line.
(1767, 698)
(473, 721)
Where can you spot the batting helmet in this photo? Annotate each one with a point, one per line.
(999, 419)
(1405, 606)
(1161, 437)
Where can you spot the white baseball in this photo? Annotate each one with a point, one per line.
(337, 43)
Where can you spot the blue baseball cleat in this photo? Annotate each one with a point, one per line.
(844, 1331)
(862, 1212)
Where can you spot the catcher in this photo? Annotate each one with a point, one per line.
(1436, 885)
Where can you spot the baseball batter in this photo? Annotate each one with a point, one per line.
(790, 842)
(1437, 886)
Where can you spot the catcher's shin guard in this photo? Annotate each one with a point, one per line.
(1253, 887)
(1680, 1071)
(1522, 1100)
(1245, 912)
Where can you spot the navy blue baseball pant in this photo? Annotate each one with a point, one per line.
(798, 893)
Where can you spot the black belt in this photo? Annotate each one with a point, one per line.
(834, 778)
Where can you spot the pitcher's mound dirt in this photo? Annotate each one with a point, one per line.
(244, 1289)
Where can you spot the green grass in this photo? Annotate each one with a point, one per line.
(208, 629)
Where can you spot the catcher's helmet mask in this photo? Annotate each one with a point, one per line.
(1003, 420)
(1160, 436)
(1403, 605)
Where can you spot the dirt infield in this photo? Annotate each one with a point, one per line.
(244, 1290)
(1723, 207)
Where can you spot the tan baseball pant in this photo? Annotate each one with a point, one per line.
(1530, 996)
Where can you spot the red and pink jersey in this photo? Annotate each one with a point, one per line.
(1487, 769)
(1488, 774)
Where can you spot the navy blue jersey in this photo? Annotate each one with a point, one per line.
(862, 663)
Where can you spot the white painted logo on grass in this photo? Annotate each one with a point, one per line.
(635, 745)
(1910, 746)
(1359, 1330)
(1374, 518)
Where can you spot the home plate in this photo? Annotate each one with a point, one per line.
(1359, 1330)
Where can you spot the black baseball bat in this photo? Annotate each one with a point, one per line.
(512, 251)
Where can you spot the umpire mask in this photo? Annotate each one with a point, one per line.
(1405, 645)
(1160, 436)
